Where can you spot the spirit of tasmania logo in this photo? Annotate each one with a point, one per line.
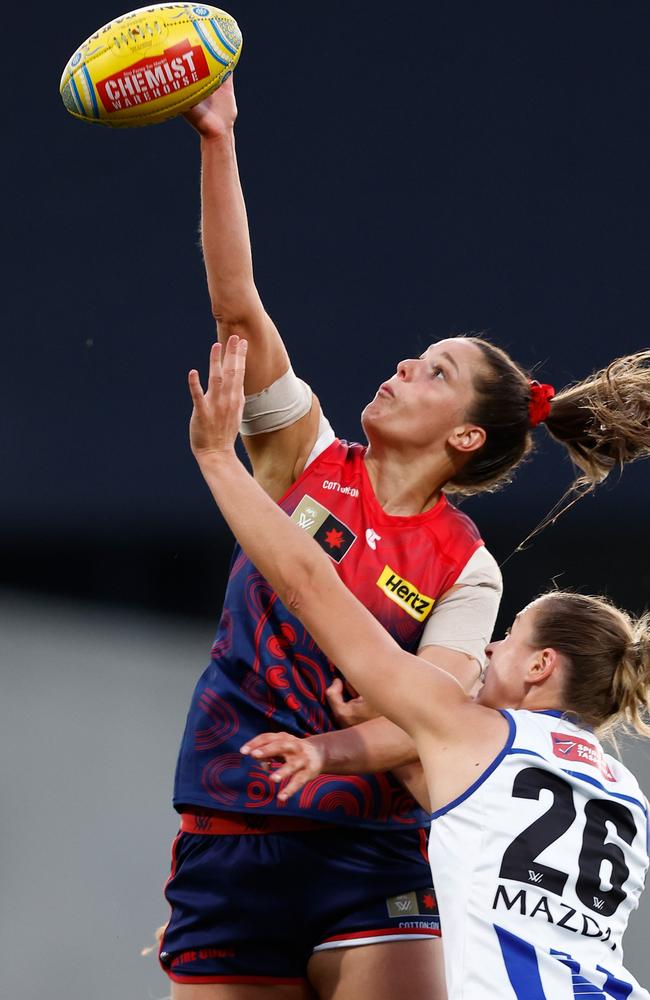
(577, 749)
(156, 76)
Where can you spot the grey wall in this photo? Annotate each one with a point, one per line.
(91, 715)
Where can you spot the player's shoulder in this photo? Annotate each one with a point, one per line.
(626, 781)
(572, 748)
(459, 521)
(335, 451)
(481, 570)
(344, 451)
(455, 533)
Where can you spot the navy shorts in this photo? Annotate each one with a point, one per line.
(253, 907)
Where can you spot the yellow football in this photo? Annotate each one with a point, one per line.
(151, 64)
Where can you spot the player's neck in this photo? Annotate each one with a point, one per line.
(542, 698)
(404, 485)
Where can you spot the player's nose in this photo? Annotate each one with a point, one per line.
(405, 369)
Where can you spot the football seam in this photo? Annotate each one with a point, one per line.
(96, 55)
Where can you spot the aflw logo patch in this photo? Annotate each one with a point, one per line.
(405, 593)
(331, 534)
(422, 903)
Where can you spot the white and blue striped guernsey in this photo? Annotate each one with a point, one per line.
(537, 868)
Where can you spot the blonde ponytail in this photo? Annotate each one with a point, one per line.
(631, 683)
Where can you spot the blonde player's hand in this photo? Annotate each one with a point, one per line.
(351, 712)
(215, 116)
(216, 416)
(303, 759)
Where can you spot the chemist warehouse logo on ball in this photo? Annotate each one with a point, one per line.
(405, 593)
(157, 76)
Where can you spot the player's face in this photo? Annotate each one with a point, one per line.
(508, 660)
(427, 398)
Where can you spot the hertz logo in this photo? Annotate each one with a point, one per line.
(405, 594)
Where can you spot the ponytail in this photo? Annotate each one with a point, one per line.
(631, 685)
(607, 656)
(603, 421)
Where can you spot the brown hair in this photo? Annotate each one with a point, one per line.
(603, 421)
(607, 655)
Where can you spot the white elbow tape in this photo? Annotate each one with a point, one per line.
(279, 405)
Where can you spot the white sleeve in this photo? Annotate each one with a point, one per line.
(325, 437)
(280, 405)
(464, 617)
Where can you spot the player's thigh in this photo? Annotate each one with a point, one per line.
(229, 991)
(412, 969)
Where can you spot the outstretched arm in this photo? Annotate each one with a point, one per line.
(236, 304)
(235, 301)
(377, 745)
(411, 692)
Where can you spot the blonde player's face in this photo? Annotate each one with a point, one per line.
(508, 661)
(427, 398)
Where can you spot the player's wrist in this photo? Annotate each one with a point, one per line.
(214, 135)
(338, 754)
(319, 751)
(217, 460)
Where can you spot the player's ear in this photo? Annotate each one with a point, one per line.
(544, 665)
(467, 438)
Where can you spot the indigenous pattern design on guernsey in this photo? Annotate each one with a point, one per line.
(267, 673)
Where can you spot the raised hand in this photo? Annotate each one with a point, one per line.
(303, 759)
(215, 116)
(216, 416)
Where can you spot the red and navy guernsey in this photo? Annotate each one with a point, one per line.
(267, 674)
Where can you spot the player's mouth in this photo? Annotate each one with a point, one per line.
(385, 390)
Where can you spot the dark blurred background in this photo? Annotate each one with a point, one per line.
(411, 172)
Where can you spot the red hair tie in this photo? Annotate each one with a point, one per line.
(539, 406)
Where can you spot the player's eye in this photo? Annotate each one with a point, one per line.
(438, 372)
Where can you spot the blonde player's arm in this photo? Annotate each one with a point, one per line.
(407, 689)
(277, 455)
(377, 745)
(454, 640)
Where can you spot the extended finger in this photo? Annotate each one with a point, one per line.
(297, 763)
(215, 365)
(234, 365)
(334, 695)
(196, 389)
(336, 686)
(257, 742)
(298, 781)
(269, 745)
